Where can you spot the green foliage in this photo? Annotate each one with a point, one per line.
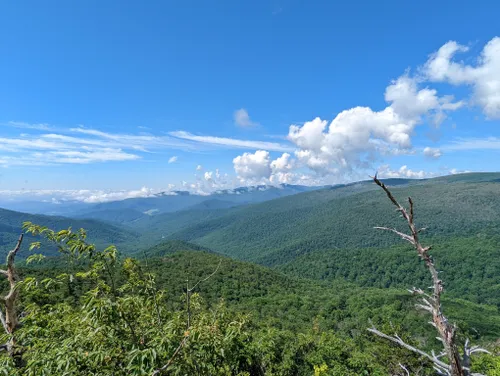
(468, 265)
(110, 316)
(129, 317)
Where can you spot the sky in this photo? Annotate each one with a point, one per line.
(128, 98)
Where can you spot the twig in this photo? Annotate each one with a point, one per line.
(170, 361)
(203, 280)
(405, 369)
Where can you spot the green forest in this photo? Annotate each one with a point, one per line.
(286, 287)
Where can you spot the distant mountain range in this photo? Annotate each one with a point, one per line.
(164, 202)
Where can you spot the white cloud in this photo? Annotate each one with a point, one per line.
(81, 195)
(23, 125)
(357, 137)
(103, 196)
(141, 142)
(99, 146)
(455, 171)
(242, 119)
(232, 143)
(484, 77)
(199, 168)
(283, 163)
(173, 159)
(208, 175)
(252, 167)
(385, 171)
(258, 168)
(462, 144)
(48, 149)
(432, 152)
(353, 138)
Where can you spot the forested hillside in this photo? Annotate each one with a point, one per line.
(100, 233)
(343, 218)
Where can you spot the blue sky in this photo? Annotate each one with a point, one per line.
(102, 95)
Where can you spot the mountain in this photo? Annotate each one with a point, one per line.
(344, 217)
(169, 247)
(101, 233)
(328, 234)
(143, 207)
(53, 207)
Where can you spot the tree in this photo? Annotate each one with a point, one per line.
(458, 364)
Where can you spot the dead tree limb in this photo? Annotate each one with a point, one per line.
(189, 290)
(171, 360)
(457, 365)
(10, 320)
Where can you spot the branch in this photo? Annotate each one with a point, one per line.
(170, 361)
(405, 369)
(404, 236)
(203, 280)
(2, 320)
(10, 322)
(457, 364)
(400, 342)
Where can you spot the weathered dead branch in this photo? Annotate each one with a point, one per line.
(457, 365)
(10, 320)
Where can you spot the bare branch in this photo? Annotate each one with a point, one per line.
(402, 235)
(405, 369)
(458, 366)
(205, 279)
(2, 320)
(400, 342)
(10, 322)
(171, 360)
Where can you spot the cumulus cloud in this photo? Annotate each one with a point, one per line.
(242, 119)
(208, 175)
(173, 159)
(199, 168)
(211, 181)
(252, 167)
(283, 163)
(484, 76)
(358, 136)
(432, 152)
(258, 168)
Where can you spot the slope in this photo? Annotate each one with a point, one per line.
(343, 217)
(293, 303)
(101, 233)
